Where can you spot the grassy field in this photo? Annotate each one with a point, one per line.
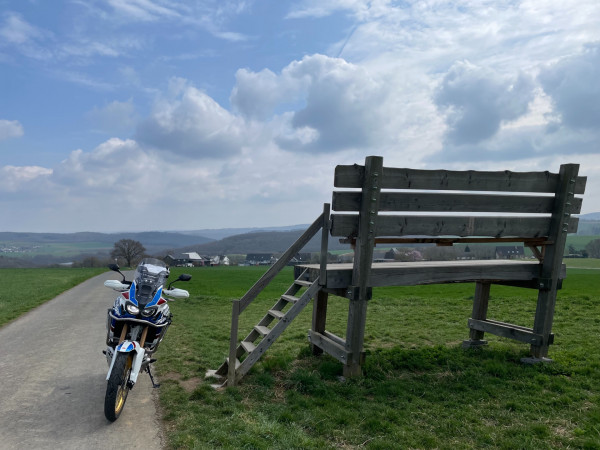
(419, 390)
(24, 289)
(59, 250)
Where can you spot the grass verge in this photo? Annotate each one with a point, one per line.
(419, 390)
(24, 289)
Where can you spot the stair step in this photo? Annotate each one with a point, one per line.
(212, 374)
(262, 330)
(248, 346)
(303, 283)
(276, 314)
(289, 298)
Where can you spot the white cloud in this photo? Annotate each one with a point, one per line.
(318, 8)
(10, 129)
(573, 83)
(115, 117)
(146, 10)
(26, 38)
(190, 123)
(15, 178)
(328, 104)
(477, 101)
(16, 30)
(209, 15)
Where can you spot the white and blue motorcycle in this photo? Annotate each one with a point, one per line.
(135, 326)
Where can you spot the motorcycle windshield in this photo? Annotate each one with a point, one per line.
(150, 275)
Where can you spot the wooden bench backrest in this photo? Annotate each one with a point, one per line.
(463, 203)
(531, 207)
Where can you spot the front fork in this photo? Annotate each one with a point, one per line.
(128, 346)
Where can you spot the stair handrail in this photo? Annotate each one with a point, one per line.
(322, 222)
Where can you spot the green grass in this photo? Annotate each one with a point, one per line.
(419, 390)
(59, 250)
(24, 289)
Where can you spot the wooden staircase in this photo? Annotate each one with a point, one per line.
(262, 336)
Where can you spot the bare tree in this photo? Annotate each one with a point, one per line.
(128, 249)
(593, 248)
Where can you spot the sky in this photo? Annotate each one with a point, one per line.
(140, 115)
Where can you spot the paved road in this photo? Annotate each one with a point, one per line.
(52, 379)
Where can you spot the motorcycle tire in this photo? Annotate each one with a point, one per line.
(116, 388)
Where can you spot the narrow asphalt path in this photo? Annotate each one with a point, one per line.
(52, 379)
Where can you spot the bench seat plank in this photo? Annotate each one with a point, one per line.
(339, 276)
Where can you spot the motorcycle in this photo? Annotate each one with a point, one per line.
(135, 326)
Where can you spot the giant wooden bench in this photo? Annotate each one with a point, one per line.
(385, 205)
(446, 207)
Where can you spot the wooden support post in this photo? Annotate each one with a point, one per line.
(235, 314)
(324, 245)
(552, 263)
(480, 307)
(359, 292)
(319, 318)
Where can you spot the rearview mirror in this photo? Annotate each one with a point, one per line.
(182, 277)
(116, 268)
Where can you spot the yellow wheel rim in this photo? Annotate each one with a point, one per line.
(122, 393)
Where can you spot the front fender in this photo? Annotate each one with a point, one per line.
(138, 357)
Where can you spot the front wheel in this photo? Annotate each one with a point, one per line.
(116, 388)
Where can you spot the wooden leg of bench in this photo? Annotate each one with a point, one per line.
(319, 318)
(480, 307)
(544, 316)
(355, 334)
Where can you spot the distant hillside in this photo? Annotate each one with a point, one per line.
(259, 242)
(148, 239)
(590, 216)
(40, 249)
(588, 228)
(222, 233)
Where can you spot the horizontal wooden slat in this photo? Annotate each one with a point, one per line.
(329, 346)
(519, 227)
(339, 276)
(507, 330)
(452, 202)
(467, 180)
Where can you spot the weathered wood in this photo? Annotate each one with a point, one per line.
(432, 272)
(480, 307)
(330, 346)
(452, 202)
(324, 244)
(281, 263)
(271, 335)
(319, 318)
(363, 257)
(553, 258)
(443, 241)
(235, 314)
(393, 225)
(517, 333)
(468, 180)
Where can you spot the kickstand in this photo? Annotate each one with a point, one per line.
(154, 385)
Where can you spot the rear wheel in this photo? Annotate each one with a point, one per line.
(116, 388)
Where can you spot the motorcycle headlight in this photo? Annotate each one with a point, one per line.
(132, 309)
(148, 312)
